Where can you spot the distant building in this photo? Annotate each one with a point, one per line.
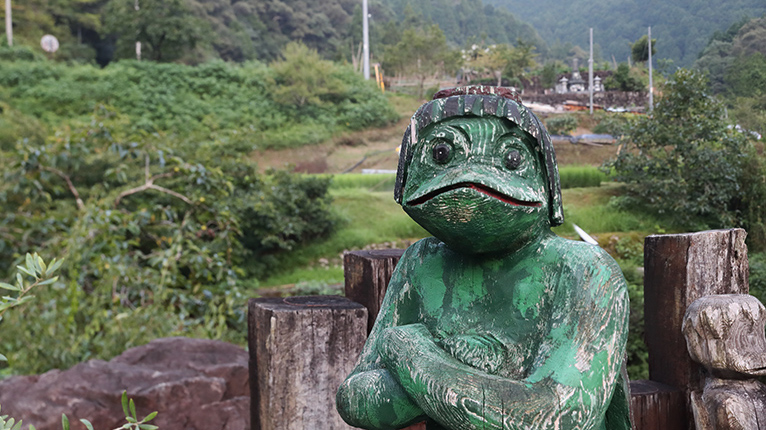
(576, 84)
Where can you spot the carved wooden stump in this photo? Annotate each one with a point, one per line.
(725, 333)
(680, 268)
(301, 349)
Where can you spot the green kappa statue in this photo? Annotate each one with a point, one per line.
(495, 322)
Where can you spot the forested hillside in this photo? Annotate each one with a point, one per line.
(682, 27)
(194, 31)
(735, 62)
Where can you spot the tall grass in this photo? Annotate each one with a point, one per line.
(581, 176)
(571, 177)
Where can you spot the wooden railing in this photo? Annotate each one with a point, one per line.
(301, 349)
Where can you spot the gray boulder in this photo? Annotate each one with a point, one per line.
(195, 384)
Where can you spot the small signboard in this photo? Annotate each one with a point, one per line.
(49, 43)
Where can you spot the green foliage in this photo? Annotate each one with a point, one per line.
(757, 261)
(561, 124)
(683, 160)
(465, 22)
(161, 236)
(421, 53)
(639, 51)
(549, 75)
(35, 268)
(246, 101)
(371, 182)
(166, 28)
(746, 76)
(304, 79)
(624, 79)
(614, 124)
(683, 26)
(581, 176)
(501, 60)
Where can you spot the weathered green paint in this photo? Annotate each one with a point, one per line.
(496, 322)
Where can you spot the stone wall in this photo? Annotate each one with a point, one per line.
(607, 99)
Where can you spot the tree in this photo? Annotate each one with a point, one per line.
(623, 80)
(421, 53)
(166, 28)
(303, 77)
(683, 160)
(639, 51)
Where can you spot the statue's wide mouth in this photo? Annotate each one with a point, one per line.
(476, 187)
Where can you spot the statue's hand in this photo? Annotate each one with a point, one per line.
(397, 345)
(400, 341)
(484, 352)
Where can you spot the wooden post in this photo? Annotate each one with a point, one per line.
(655, 406)
(680, 268)
(367, 274)
(301, 350)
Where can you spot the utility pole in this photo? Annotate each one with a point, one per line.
(366, 40)
(651, 86)
(138, 43)
(8, 23)
(590, 72)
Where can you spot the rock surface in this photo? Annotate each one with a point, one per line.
(195, 384)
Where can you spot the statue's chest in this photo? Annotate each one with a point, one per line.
(490, 319)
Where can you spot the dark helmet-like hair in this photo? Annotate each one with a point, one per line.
(481, 101)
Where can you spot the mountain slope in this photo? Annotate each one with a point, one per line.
(682, 27)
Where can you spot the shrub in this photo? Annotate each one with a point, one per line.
(159, 236)
(682, 159)
(561, 124)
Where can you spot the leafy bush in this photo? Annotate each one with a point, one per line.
(624, 79)
(251, 98)
(682, 159)
(161, 236)
(561, 124)
(614, 124)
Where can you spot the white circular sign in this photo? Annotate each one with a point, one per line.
(49, 43)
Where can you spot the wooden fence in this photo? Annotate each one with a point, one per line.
(301, 349)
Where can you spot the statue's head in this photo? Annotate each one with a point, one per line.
(478, 171)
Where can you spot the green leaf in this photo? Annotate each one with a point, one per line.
(5, 286)
(3, 358)
(147, 427)
(54, 266)
(30, 264)
(150, 416)
(64, 419)
(17, 426)
(49, 281)
(125, 403)
(31, 427)
(133, 410)
(87, 423)
(41, 265)
(25, 270)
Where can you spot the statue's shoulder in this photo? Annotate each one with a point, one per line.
(581, 258)
(576, 252)
(425, 248)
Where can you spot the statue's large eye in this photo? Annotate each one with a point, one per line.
(513, 159)
(442, 153)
